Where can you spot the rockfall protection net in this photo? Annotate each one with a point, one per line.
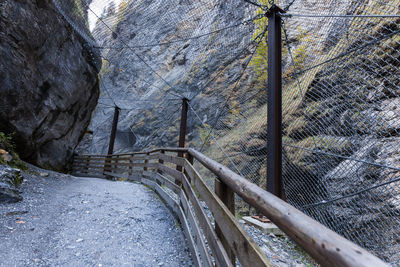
(341, 134)
(341, 97)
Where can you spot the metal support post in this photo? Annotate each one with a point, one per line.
(274, 160)
(108, 167)
(113, 131)
(183, 127)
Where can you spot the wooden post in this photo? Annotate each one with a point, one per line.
(228, 198)
(87, 164)
(146, 161)
(160, 161)
(191, 160)
(116, 161)
(131, 165)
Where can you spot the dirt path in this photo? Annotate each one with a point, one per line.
(69, 221)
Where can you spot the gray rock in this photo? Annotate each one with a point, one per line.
(8, 178)
(49, 84)
(186, 65)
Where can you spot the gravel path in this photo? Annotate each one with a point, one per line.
(69, 221)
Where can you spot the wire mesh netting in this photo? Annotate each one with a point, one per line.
(341, 97)
(341, 84)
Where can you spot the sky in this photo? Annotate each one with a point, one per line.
(97, 6)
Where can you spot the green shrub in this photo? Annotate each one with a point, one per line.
(7, 143)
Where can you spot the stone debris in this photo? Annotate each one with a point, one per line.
(266, 227)
(8, 178)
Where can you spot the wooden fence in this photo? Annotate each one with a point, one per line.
(227, 241)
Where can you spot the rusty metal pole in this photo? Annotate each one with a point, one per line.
(113, 131)
(107, 163)
(274, 156)
(183, 127)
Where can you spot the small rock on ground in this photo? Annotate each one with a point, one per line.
(8, 177)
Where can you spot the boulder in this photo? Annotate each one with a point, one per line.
(9, 179)
(48, 82)
(188, 66)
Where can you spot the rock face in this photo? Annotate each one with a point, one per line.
(48, 82)
(9, 179)
(189, 66)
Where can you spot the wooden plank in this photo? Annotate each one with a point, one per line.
(126, 170)
(90, 164)
(86, 157)
(85, 160)
(91, 167)
(166, 158)
(119, 175)
(119, 159)
(214, 242)
(172, 172)
(135, 157)
(198, 236)
(167, 149)
(163, 180)
(114, 158)
(324, 245)
(153, 156)
(91, 155)
(247, 251)
(141, 165)
(190, 159)
(172, 159)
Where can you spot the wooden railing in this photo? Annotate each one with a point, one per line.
(227, 240)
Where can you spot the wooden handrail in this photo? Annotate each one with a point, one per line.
(167, 149)
(324, 245)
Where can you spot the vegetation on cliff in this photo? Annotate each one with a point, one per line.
(8, 146)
